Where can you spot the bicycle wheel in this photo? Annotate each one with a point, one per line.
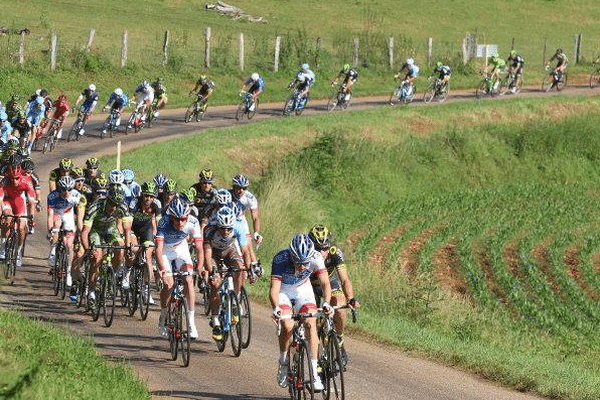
(594, 79)
(200, 114)
(245, 318)
(204, 289)
(82, 285)
(396, 96)
(97, 304)
(235, 332)
(241, 110)
(302, 107)
(74, 132)
(132, 293)
(443, 92)
(223, 312)
(333, 370)
(12, 251)
(303, 376)
(481, 89)
(143, 289)
(547, 83)
(171, 326)
(130, 123)
(189, 113)
(252, 113)
(288, 106)
(332, 104)
(109, 294)
(183, 329)
(504, 86)
(560, 85)
(429, 93)
(346, 102)
(62, 262)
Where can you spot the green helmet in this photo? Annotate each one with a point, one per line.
(77, 173)
(116, 195)
(320, 236)
(206, 175)
(439, 64)
(92, 162)
(149, 188)
(513, 53)
(171, 186)
(346, 67)
(188, 194)
(65, 164)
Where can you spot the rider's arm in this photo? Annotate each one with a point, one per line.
(160, 242)
(274, 291)
(50, 217)
(85, 234)
(199, 254)
(207, 254)
(325, 285)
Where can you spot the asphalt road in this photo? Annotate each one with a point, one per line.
(374, 372)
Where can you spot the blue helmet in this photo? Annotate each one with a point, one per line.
(128, 175)
(115, 177)
(305, 66)
(301, 247)
(178, 207)
(240, 180)
(160, 180)
(223, 197)
(225, 217)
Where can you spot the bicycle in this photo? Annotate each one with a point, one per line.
(296, 103)
(247, 107)
(51, 138)
(341, 99)
(437, 89)
(404, 93)
(488, 85)
(59, 269)
(11, 252)
(554, 80)
(229, 311)
(138, 294)
(110, 125)
(510, 84)
(106, 283)
(177, 323)
(78, 125)
(595, 78)
(196, 110)
(136, 121)
(82, 285)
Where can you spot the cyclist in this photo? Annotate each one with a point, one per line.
(13, 108)
(107, 221)
(35, 113)
(291, 288)
(86, 198)
(204, 88)
(247, 201)
(205, 195)
(145, 225)
(5, 128)
(91, 170)
(64, 168)
(117, 101)
(144, 96)
(350, 77)
(222, 242)
(160, 95)
(412, 71)
(255, 85)
(303, 81)
(28, 167)
(515, 64)
(443, 72)
(21, 127)
(341, 286)
(90, 99)
(561, 63)
(172, 250)
(13, 202)
(494, 68)
(60, 213)
(161, 183)
(133, 190)
(61, 112)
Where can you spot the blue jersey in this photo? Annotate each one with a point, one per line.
(118, 101)
(89, 98)
(174, 237)
(283, 268)
(5, 130)
(36, 107)
(63, 205)
(258, 85)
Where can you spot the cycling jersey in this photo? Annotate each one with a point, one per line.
(63, 208)
(333, 263)
(173, 237)
(55, 175)
(11, 195)
(284, 270)
(61, 109)
(204, 88)
(118, 101)
(159, 89)
(225, 246)
(90, 98)
(516, 61)
(142, 221)
(203, 201)
(256, 86)
(349, 75)
(305, 79)
(443, 71)
(35, 111)
(97, 218)
(5, 130)
(560, 58)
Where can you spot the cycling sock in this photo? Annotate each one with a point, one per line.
(191, 316)
(314, 366)
(283, 357)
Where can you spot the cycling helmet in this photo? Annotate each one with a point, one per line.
(346, 67)
(119, 91)
(62, 97)
(92, 162)
(115, 177)
(320, 236)
(100, 183)
(240, 180)
(301, 248)
(171, 186)
(14, 171)
(65, 183)
(255, 76)
(513, 53)
(410, 61)
(203, 79)
(160, 180)
(305, 66)
(206, 175)
(27, 165)
(188, 194)
(128, 175)
(92, 87)
(65, 164)
(77, 173)
(116, 195)
(439, 64)
(225, 217)
(159, 80)
(178, 207)
(494, 57)
(12, 143)
(149, 188)
(13, 160)
(15, 98)
(38, 91)
(223, 197)
(43, 92)
(559, 50)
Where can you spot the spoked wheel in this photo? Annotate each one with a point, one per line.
(143, 289)
(300, 109)
(346, 102)
(63, 271)
(204, 289)
(562, 82)
(303, 374)
(252, 113)
(224, 310)
(443, 94)
(395, 96)
(548, 83)
(288, 106)
(183, 327)
(594, 79)
(130, 123)
(172, 327)
(241, 110)
(481, 89)
(53, 141)
(74, 132)
(236, 329)
(245, 318)
(82, 283)
(200, 114)
(189, 113)
(109, 294)
(504, 86)
(333, 371)
(429, 94)
(96, 304)
(131, 294)
(332, 104)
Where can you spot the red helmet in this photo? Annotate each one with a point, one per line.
(62, 97)
(14, 172)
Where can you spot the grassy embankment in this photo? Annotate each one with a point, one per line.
(471, 229)
(336, 22)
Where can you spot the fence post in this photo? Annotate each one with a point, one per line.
(22, 49)
(578, 38)
(544, 52)
(207, 48)
(429, 50)
(52, 51)
(355, 54)
(465, 54)
(88, 47)
(166, 48)
(318, 51)
(391, 51)
(242, 51)
(124, 48)
(276, 58)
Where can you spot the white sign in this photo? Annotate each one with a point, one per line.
(486, 50)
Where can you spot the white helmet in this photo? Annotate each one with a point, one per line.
(118, 91)
(92, 87)
(410, 61)
(255, 76)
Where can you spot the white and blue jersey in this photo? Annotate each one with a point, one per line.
(35, 111)
(258, 85)
(63, 205)
(413, 71)
(5, 131)
(118, 101)
(283, 268)
(90, 99)
(306, 79)
(174, 237)
(133, 191)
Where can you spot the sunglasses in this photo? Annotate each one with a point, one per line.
(227, 229)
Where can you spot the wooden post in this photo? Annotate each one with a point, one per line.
(207, 48)
(166, 48)
(318, 52)
(512, 44)
(22, 49)
(355, 54)
(277, 49)
(52, 51)
(465, 53)
(124, 48)
(429, 50)
(242, 51)
(391, 51)
(544, 52)
(88, 47)
(578, 48)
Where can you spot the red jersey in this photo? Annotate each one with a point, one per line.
(61, 108)
(9, 191)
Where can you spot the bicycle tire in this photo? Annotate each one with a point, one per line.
(481, 89)
(241, 110)
(395, 96)
(303, 378)
(300, 109)
(442, 96)
(288, 106)
(109, 294)
(200, 115)
(594, 79)
(251, 113)
(205, 291)
(74, 132)
(189, 113)
(245, 318)
(11, 254)
(333, 370)
(562, 83)
(143, 291)
(130, 122)
(63, 270)
(83, 282)
(332, 103)
(429, 93)
(132, 294)
(504, 86)
(547, 84)
(184, 333)
(97, 303)
(235, 332)
(222, 312)
(171, 324)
